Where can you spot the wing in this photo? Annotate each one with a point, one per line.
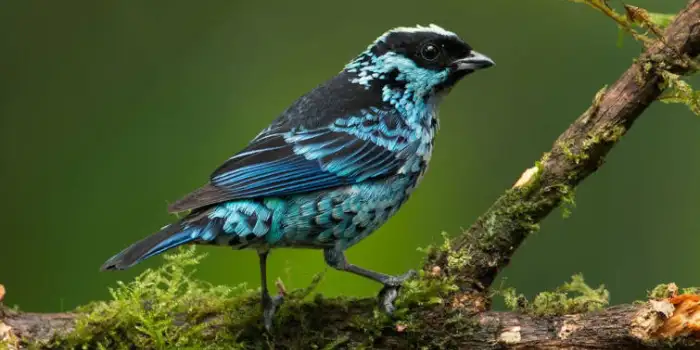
(371, 145)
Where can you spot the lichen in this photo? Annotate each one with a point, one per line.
(571, 298)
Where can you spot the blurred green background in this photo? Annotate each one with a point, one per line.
(110, 109)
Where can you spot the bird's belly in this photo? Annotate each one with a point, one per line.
(344, 216)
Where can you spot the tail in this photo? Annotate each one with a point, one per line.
(168, 237)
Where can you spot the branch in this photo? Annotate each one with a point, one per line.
(577, 153)
(335, 322)
(445, 307)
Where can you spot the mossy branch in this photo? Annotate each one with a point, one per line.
(577, 153)
(166, 309)
(447, 306)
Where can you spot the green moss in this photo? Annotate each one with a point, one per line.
(165, 308)
(424, 291)
(570, 155)
(582, 154)
(518, 209)
(614, 134)
(667, 290)
(570, 298)
(456, 259)
(660, 291)
(568, 201)
(537, 176)
(336, 343)
(639, 23)
(690, 290)
(679, 91)
(611, 135)
(150, 311)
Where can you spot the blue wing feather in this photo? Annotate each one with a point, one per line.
(297, 160)
(310, 163)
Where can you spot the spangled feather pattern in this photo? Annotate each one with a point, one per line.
(369, 145)
(335, 165)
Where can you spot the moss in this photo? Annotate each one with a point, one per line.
(661, 291)
(690, 290)
(426, 290)
(336, 343)
(456, 259)
(582, 154)
(679, 91)
(518, 209)
(570, 298)
(638, 22)
(167, 308)
(568, 201)
(570, 155)
(610, 135)
(614, 134)
(150, 311)
(668, 290)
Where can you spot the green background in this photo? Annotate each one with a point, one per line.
(110, 109)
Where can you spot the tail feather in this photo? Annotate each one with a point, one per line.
(169, 237)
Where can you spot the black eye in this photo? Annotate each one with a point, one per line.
(430, 52)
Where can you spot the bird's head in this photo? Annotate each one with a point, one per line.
(420, 60)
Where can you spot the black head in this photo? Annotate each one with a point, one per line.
(431, 57)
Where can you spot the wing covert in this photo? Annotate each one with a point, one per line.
(279, 163)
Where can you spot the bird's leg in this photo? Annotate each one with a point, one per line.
(269, 305)
(336, 258)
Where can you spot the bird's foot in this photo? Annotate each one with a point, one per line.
(270, 308)
(391, 290)
(271, 304)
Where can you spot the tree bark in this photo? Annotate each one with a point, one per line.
(474, 258)
(654, 324)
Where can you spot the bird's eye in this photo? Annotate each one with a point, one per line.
(430, 52)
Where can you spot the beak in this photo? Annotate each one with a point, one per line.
(474, 61)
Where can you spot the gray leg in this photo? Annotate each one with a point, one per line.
(336, 258)
(269, 304)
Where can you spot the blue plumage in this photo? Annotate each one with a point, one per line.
(334, 166)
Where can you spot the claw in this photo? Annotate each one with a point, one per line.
(269, 308)
(386, 299)
(387, 295)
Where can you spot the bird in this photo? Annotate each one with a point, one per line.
(331, 168)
